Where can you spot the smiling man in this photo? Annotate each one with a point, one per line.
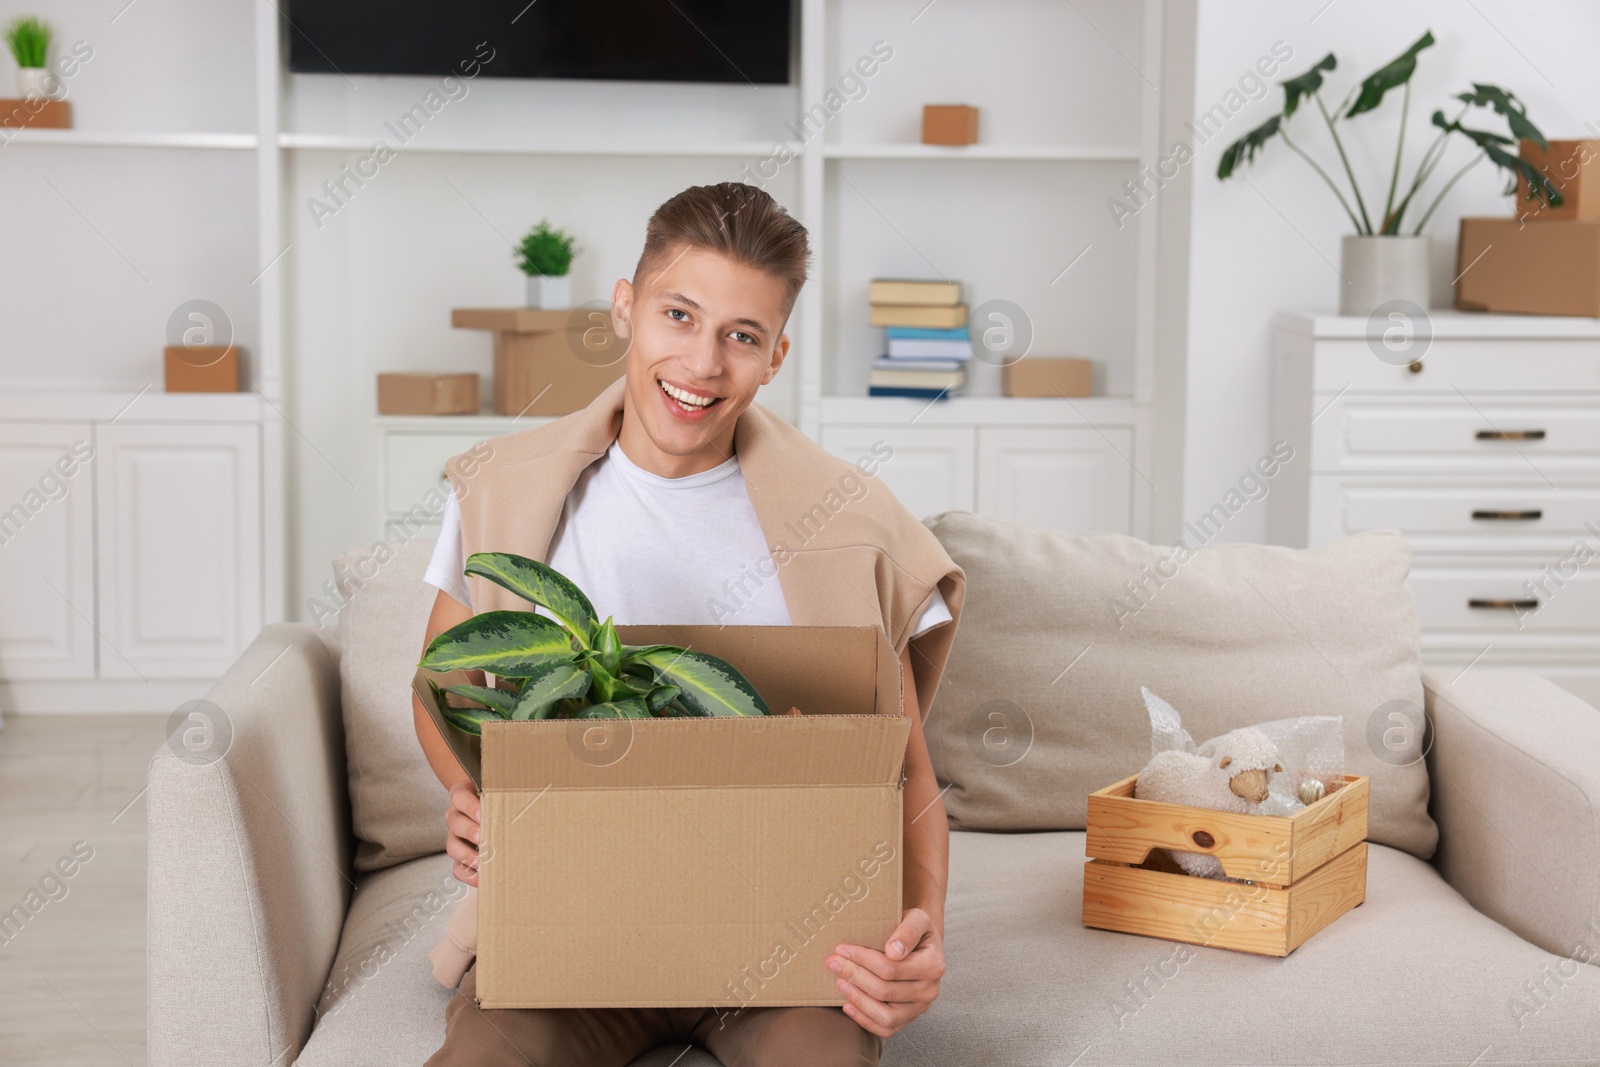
(670, 487)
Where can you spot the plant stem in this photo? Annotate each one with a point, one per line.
(1389, 219)
(1345, 160)
(1447, 186)
(1342, 201)
(1430, 162)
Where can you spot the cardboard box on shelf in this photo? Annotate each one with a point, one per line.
(202, 369)
(694, 862)
(1573, 167)
(1537, 268)
(547, 362)
(37, 113)
(949, 124)
(1047, 376)
(403, 393)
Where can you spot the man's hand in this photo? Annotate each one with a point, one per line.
(886, 990)
(461, 826)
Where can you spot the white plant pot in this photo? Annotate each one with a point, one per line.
(550, 291)
(1380, 269)
(35, 81)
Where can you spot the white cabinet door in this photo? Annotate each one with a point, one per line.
(179, 524)
(46, 551)
(928, 469)
(1072, 480)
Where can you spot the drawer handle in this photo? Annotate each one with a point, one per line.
(1530, 604)
(1511, 435)
(1510, 516)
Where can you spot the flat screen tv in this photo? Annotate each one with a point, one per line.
(740, 41)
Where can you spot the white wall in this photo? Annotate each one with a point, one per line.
(1254, 251)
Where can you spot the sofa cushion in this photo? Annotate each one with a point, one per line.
(1414, 975)
(382, 1006)
(397, 805)
(1040, 704)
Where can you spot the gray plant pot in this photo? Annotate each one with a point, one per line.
(1380, 269)
(550, 291)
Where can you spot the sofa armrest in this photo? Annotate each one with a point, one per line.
(1515, 773)
(249, 859)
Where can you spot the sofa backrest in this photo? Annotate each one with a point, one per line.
(1040, 705)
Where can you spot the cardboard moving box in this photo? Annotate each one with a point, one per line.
(547, 362)
(1047, 376)
(1574, 168)
(694, 862)
(1549, 267)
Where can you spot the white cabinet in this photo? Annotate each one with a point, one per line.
(1071, 480)
(1007, 458)
(46, 551)
(414, 451)
(928, 469)
(133, 565)
(178, 514)
(1484, 451)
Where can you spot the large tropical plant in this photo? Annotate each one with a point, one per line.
(568, 665)
(1499, 149)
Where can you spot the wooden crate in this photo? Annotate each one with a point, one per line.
(1300, 872)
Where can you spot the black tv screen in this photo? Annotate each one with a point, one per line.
(742, 41)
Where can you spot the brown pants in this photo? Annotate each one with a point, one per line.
(615, 1037)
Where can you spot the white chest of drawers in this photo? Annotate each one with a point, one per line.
(1484, 449)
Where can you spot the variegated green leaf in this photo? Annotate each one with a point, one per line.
(470, 719)
(608, 647)
(710, 686)
(507, 644)
(661, 696)
(497, 699)
(540, 584)
(632, 708)
(543, 692)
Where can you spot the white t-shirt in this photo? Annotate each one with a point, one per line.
(648, 549)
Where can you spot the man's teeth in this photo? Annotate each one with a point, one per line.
(687, 399)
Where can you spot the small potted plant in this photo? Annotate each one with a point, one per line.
(28, 38)
(569, 665)
(545, 256)
(1381, 262)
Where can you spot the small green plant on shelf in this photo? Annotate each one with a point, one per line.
(28, 38)
(545, 251)
(1498, 148)
(570, 666)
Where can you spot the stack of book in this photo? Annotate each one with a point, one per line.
(926, 347)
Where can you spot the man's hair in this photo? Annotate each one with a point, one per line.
(733, 218)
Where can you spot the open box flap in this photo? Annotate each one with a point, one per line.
(466, 747)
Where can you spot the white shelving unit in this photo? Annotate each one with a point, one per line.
(880, 204)
(235, 148)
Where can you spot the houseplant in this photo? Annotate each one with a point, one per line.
(28, 38)
(1380, 261)
(545, 256)
(569, 665)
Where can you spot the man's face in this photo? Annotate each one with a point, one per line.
(704, 335)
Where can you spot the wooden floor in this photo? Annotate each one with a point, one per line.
(72, 975)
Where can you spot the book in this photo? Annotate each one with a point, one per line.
(888, 363)
(912, 291)
(922, 333)
(915, 315)
(912, 348)
(918, 379)
(924, 394)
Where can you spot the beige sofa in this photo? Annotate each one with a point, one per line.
(296, 880)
